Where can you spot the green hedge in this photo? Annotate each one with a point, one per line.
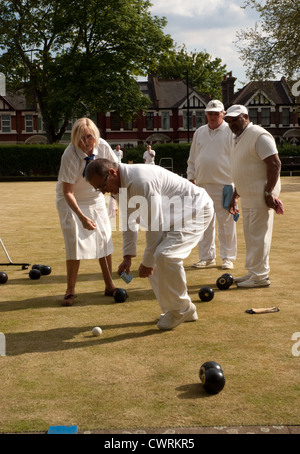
(30, 160)
(44, 160)
(288, 150)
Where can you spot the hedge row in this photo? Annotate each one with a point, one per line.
(44, 160)
(30, 160)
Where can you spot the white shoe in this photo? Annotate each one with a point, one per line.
(227, 264)
(192, 318)
(204, 263)
(171, 319)
(242, 278)
(251, 283)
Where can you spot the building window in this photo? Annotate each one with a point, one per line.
(253, 114)
(200, 118)
(5, 123)
(40, 124)
(128, 125)
(285, 117)
(150, 120)
(29, 123)
(115, 121)
(265, 117)
(187, 125)
(165, 120)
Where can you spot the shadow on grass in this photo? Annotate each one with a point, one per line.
(85, 299)
(58, 279)
(192, 391)
(194, 288)
(61, 339)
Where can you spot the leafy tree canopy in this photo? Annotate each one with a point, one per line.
(205, 74)
(75, 58)
(272, 46)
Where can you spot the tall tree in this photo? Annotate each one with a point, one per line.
(74, 58)
(273, 45)
(205, 73)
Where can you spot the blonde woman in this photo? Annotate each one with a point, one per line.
(82, 210)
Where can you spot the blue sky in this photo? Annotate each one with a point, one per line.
(208, 25)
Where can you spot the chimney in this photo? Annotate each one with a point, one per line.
(228, 89)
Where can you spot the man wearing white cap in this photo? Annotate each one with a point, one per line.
(209, 167)
(256, 175)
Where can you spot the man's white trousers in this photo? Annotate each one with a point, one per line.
(258, 229)
(169, 279)
(226, 229)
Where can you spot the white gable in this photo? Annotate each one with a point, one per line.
(260, 98)
(4, 104)
(195, 101)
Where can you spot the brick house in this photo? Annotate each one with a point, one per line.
(270, 104)
(175, 111)
(172, 103)
(19, 119)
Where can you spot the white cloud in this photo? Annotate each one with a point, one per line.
(186, 8)
(201, 9)
(208, 25)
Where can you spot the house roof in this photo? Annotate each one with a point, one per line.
(277, 91)
(168, 93)
(18, 101)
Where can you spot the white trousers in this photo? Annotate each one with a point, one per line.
(258, 229)
(226, 229)
(169, 279)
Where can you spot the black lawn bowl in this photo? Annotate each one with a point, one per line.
(206, 294)
(212, 377)
(45, 270)
(120, 295)
(223, 282)
(36, 267)
(34, 274)
(3, 277)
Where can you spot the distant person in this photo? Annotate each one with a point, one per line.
(149, 156)
(82, 211)
(256, 175)
(209, 167)
(170, 234)
(119, 153)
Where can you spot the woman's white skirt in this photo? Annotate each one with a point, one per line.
(81, 243)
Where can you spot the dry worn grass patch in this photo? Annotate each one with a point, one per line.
(55, 372)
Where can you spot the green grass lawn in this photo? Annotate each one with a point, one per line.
(56, 372)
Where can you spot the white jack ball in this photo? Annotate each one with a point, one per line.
(97, 331)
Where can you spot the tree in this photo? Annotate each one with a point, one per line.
(77, 58)
(272, 46)
(205, 74)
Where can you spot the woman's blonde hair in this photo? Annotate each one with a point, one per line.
(82, 126)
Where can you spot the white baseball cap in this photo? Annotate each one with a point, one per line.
(236, 110)
(214, 106)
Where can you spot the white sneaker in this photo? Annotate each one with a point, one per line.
(227, 264)
(204, 263)
(171, 319)
(242, 278)
(192, 318)
(251, 283)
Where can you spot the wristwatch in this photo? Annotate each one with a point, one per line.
(266, 193)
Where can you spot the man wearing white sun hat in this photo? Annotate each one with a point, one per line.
(209, 167)
(256, 175)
